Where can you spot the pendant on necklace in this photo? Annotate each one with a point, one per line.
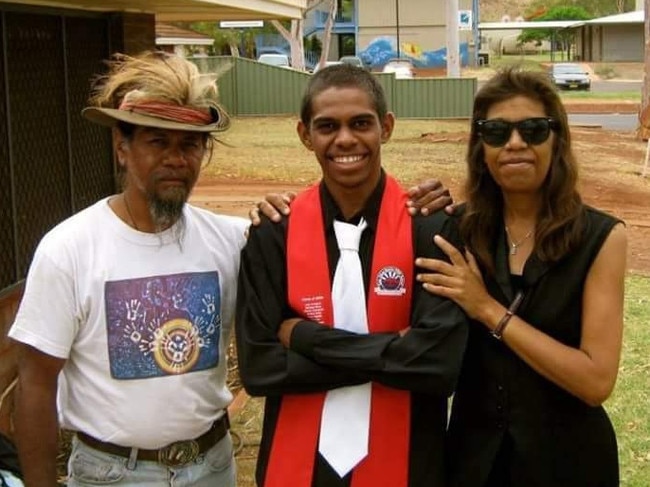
(515, 245)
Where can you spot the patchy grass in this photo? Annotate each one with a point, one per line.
(264, 148)
(268, 149)
(623, 95)
(628, 406)
(529, 61)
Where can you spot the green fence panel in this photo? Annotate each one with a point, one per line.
(434, 97)
(251, 88)
(387, 82)
(225, 69)
(268, 90)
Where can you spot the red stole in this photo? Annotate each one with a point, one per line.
(295, 441)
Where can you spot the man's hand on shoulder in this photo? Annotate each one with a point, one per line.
(429, 197)
(274, 205)
(425, 198)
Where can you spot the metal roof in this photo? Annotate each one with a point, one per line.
(636, 17)
(185, 10)
(542, 24)
(170, 35)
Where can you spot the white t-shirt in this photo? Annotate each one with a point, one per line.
(142, 320)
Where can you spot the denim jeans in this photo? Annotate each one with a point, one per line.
(90, 467)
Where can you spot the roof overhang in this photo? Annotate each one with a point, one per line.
(185, 10)
(183, 41)
(542, 24)
(636, 17)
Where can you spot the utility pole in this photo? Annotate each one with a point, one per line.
(397, 27)
(476, 35)
(453, 50)
(645, 95)
(644, 113)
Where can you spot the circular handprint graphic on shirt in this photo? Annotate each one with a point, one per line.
(177, 346)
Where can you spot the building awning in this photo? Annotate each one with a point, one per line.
(171, 35)
(636, 17)
(187, 10)
(542, 24)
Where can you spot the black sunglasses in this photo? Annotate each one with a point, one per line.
(497, 132)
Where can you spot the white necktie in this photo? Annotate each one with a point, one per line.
(346, 413)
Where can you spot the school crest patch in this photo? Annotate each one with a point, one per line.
(390, 282)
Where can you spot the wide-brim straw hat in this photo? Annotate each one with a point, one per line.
(109, 117)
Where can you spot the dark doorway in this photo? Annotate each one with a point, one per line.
(347, 45)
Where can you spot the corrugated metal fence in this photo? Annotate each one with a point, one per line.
(251, 88)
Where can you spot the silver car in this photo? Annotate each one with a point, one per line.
(401, 68)
(570, 76)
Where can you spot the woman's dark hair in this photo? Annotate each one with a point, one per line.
(559, 223)
(343, 76)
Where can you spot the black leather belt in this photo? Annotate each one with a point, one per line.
(173, 455)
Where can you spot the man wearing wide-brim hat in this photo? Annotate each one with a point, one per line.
(128, 304)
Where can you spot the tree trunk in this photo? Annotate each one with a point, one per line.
(297, 45)
(295, 40)
(327, 33)
(295, 36)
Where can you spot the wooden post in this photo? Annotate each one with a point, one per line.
(645, 95)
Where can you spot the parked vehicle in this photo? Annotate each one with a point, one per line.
(353, 60)
(327, 63)
(280, 60)
(400, 67)
(570, 76)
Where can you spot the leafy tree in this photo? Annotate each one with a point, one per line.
(226, 41)
(602, 8)
(563, 38)
(595, 8)
(314, 45)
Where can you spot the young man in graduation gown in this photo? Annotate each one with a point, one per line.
(354, 398)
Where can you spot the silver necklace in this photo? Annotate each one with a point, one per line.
(514, 246)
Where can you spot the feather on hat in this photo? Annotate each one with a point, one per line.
(157, 89)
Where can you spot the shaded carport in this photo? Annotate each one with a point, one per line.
(554, 25)
(615, 38)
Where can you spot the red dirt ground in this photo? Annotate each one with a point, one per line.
(630, 204)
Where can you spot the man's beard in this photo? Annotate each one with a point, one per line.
(167, 212)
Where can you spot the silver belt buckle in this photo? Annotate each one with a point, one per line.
(178, 453)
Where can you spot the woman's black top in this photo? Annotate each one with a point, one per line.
(510, 424)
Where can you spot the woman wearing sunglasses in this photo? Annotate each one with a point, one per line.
(542, 276)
